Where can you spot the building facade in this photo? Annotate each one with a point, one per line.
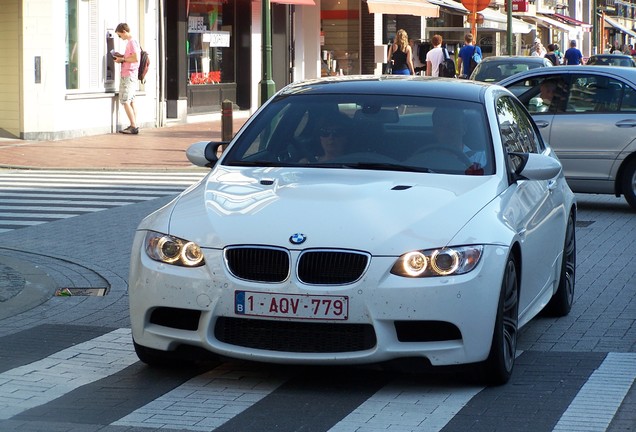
(59, 81)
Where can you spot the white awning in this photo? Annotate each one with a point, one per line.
(493, 20)
(550, 22)
(618, 26)
(404, 7)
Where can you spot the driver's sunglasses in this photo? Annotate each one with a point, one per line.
(334, 132)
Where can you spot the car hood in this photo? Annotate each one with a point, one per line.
(382, 212)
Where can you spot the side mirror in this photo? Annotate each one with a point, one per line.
(532, 166)
(206, 154)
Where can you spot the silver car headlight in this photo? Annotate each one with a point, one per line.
(173, 250)
(438, 262)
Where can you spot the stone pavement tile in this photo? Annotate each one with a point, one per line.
(154, 148)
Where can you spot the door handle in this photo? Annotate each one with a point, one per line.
(542, 124)
(626, 123)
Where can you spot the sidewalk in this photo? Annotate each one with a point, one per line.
(156, 148)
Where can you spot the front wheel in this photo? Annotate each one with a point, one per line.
(497, 368)
(561, 302)
(628, 183)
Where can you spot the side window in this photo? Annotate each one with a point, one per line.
(542, 95)
(628, 103)
(592, 93)
(518, 135)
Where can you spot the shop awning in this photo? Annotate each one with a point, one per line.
(571, 21)
(295, 2)
(493, 20)
(618, 26)
(404, 7)
(554, 23)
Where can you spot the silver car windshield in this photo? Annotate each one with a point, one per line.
(401, 133)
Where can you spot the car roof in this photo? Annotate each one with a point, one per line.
(624, 72)
(515, 59)
(447, 88)
(611, 56)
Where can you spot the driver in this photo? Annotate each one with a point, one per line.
(334, 131)
(448, 127)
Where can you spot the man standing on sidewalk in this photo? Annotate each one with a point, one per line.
(128, 83)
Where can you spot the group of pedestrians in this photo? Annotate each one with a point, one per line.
(404, 61)
(572, 56)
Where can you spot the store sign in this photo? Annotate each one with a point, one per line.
(217, 38)
(196, 24)
(518, 6)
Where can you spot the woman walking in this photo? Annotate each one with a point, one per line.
(401, 55)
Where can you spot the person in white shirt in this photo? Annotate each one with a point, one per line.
(434, 57)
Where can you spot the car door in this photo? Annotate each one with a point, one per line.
(597, 125)
(533, 207)
(590, 125)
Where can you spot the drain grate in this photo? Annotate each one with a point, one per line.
(70, 292)
(583, 224)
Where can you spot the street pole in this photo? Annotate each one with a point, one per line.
(594, 28)
(267, 85)
(509, 28)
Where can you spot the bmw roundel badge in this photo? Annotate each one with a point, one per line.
(297, 238)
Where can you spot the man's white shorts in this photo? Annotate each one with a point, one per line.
(127, 88)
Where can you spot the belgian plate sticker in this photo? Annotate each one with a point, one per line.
(279, 305)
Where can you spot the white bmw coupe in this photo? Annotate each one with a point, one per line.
(360, 220)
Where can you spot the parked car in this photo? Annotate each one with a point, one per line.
(347, 222)
(611, 60)
(496, 68)
(591, 124)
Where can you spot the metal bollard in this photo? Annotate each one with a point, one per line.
(226, 121)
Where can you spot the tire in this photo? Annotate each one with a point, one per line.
(561, 302)
(497, 368)
(628, 183)
(153, 357)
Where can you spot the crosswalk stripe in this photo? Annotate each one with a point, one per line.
(595, 405)
(206, 401)
(42, 381)
(30, 198)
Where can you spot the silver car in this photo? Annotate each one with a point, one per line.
(588, 116)
(496, 68)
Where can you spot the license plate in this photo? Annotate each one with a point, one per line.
(315, 307)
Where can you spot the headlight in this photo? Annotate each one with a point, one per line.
(172, 250)
(438, 262)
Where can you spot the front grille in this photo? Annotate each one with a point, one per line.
(290, 336)
(258, 263)
(327, 267)
(426, 331)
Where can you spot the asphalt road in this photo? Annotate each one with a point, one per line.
(67, 364)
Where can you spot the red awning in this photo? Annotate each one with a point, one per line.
(404, 7)
(570, 20)
(295, 2)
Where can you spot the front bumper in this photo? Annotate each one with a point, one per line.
(448, 320)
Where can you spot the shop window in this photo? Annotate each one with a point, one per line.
(340, 37)
(210, 56)
(72, 64)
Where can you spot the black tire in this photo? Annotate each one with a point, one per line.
(561, 302)
(156, 358)
(498, 367)
(628, 183)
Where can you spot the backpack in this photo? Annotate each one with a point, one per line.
(144, 64)
(447, 67)
(475, 59)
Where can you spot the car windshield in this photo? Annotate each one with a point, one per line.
(496, 71)
(393, 133)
